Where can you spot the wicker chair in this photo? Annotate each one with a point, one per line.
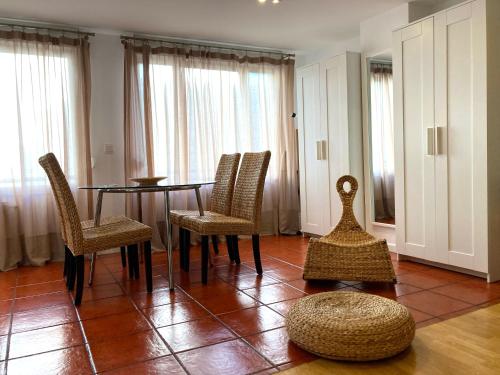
(245, 212)
(116, 233)
(220, 204)
(348, 252)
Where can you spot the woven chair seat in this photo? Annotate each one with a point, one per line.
(350, 326)
(115, 234)
(218, 225)
(176, 216)
(348, 252)
(222, 192)
(87, 224)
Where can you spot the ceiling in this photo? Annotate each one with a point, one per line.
(297, 25)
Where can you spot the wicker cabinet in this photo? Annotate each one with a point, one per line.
(447, 131)
(330, 138)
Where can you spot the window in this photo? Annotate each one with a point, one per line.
(37, 114)
(224, 111)
(202, 103)
(43, 83)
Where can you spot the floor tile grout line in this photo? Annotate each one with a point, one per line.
(84, 337)
(47, 351)
(78, 317)
(40, 283)
(69, 322)
(43, 294)
(86, 343)
(153, 329)
(40, 328)
(288, 263)
(461, 300)
(204, 346)
(238, 336)
(9, 337)
(438, 294)
(225, 325)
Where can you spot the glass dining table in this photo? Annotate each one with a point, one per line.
(165, 187)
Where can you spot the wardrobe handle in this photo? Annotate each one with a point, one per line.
(439, 140)
(323, 150)
(318, 150)
(430, 141)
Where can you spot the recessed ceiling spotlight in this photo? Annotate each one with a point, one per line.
(272, 1)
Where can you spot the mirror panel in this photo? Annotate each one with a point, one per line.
(381, 128)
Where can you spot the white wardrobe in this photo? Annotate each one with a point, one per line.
(330, 138)
(447, 137)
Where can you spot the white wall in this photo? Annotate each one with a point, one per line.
(376, 32)
(106, 120)
(306, 58)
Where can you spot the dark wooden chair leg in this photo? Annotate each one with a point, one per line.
(70, 278)
(229, 243)
(123, 253)
(236, 250)
(215, 244)
(187, 241)
(148, 266)
(204, 259)
(80, 275)
(256, 253)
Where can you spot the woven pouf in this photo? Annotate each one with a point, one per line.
(350, 326)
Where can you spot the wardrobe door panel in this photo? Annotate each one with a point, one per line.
(460, 140)
(334, 117)
(313, 169)
(414, 133)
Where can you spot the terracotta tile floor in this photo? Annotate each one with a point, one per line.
(234, 325)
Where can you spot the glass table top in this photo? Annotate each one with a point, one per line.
(163, 185)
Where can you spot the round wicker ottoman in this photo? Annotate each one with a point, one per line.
(350, 326)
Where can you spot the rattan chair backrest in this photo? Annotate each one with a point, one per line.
(249, 189)
(225, 177)
(68, 212)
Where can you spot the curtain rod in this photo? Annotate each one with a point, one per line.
(23, 26)
(198, 44)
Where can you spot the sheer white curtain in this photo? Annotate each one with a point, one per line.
(204, 103)
(382, 140)
(44, 96)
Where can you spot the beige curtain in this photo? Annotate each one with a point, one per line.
(185, 106)
(382, 139)
(45, 96)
